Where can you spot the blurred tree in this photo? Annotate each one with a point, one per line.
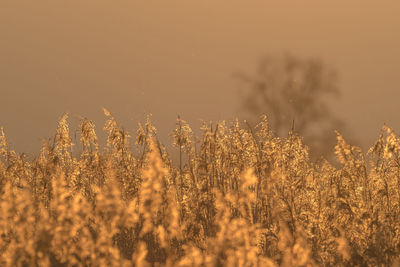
(292, 92)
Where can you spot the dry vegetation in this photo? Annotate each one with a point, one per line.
(238, 197)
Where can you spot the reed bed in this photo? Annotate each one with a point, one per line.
(239, 196)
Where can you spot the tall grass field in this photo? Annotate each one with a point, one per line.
(237, 196)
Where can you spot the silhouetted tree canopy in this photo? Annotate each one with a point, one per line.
(293, 92)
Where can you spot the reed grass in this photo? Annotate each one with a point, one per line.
(244, 197)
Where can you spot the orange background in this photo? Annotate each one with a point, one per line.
(177, 57)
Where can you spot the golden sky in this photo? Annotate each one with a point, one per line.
(177, 57)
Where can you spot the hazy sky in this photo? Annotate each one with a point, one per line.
(177, 57)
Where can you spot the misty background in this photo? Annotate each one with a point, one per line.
(179, 57)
